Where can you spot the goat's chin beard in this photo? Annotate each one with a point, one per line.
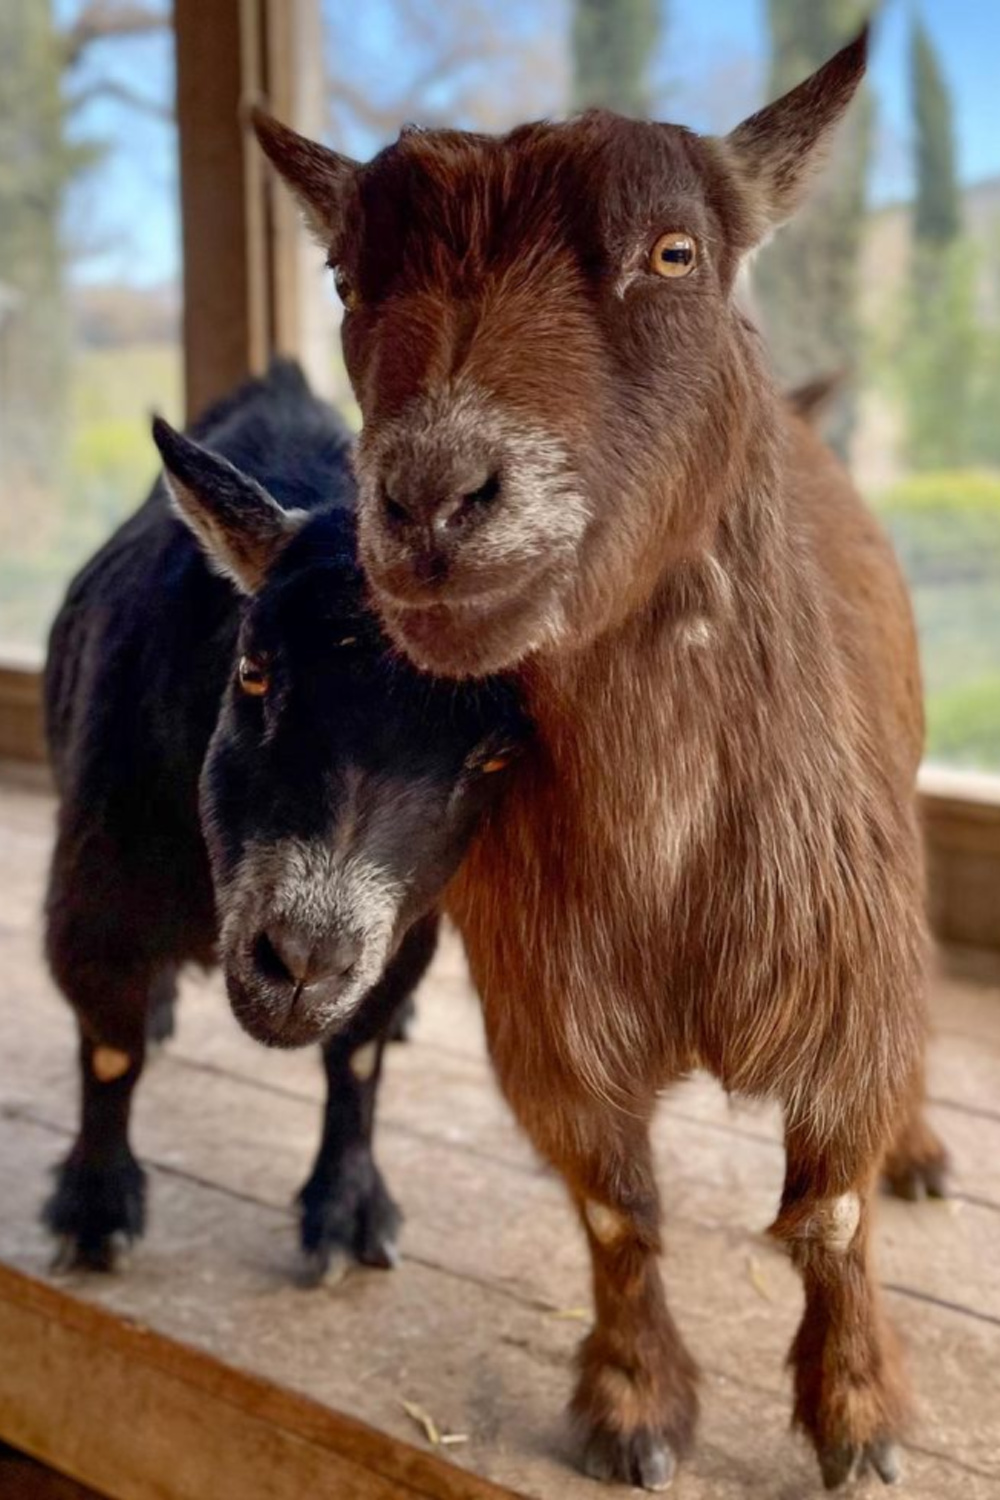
(475, 638)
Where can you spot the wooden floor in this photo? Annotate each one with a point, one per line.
(478, 1325)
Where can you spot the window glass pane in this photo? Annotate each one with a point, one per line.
(891, 276)
(89, 285)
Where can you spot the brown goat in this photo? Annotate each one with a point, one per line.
(575, 465)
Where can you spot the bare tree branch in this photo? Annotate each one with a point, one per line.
(465, 68)
(111, 88)
(104, 18)
(386, 118)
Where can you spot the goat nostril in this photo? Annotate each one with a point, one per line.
(395, 513)
(270, 962)
(464, 507)
(337, 958)
(287, 956)
(484, 495)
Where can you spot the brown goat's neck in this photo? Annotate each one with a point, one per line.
(723, 608)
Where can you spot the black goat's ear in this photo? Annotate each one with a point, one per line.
(778, 151)
(241, 527)
(322, 180)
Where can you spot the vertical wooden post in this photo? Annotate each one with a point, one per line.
(226, 317)
(243, 247)
(304, 318)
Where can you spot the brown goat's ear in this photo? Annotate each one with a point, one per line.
(780, 149)
(321, 179)
(242, 529)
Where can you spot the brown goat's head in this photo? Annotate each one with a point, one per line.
(554, 374)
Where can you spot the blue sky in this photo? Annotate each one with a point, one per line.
(123, 216)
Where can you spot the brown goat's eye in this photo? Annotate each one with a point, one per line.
(346, 289)
(674, 254)
(495, 763)
(254, 679)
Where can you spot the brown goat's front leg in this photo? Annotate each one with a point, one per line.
(636, 1401)
(850, 1392)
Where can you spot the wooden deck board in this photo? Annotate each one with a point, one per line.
(479, 1323)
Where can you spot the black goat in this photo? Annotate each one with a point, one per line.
(338, 791)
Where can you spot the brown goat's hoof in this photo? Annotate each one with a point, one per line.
(918, 1180)
(642, 1458)
(846, 1461)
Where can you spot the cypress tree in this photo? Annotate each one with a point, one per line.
(613, 41)
(806, 281)
(937, 216)
(942, 344)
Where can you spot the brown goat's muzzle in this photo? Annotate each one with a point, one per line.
(470, 521)
(460, 616)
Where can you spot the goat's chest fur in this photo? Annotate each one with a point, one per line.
(709, 860)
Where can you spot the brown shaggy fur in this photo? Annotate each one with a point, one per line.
(578, 469)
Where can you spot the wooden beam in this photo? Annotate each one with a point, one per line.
(304, 322)
(157, 1420)
(961, 817)
(226, 307)
(22, 734)
(246, 282)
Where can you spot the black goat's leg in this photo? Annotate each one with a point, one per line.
(347, 1213)
(100, 1196)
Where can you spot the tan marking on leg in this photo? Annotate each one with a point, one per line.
(838, 1222)
(606, 1225)
(363, 1061)
(107, 1064)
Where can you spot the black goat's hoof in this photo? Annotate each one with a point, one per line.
(845, 1462)
(351, 1220)
(96, 1212)
(327, 1266)
(642, 1458)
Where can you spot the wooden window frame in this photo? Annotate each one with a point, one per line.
(244, 299)
(242, 271)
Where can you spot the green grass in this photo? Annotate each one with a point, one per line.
(110, 464)
(963, 724)
(946, 529)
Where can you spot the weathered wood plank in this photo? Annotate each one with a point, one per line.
(488, 1363)
(183, 1424)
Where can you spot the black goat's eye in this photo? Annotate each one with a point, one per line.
(495, 763)
(346, 290)
(254, 678)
